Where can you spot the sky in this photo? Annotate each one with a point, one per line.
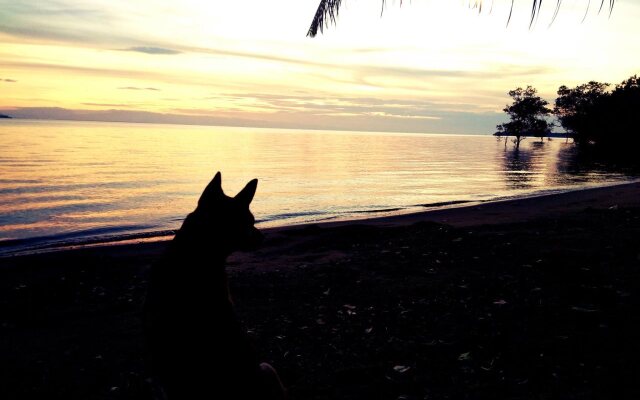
(435, 66)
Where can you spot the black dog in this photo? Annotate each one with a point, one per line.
(197, 347)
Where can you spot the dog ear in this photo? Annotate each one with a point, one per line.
(213, 191)
(246, 195)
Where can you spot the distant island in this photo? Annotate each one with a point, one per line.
(4, 116)
(562, 135)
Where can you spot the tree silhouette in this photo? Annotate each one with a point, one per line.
(593, 115)
(575, 108)
(527, 114)
(327, 12)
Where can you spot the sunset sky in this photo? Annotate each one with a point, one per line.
(428, 66)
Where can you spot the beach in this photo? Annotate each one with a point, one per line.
(534, 298)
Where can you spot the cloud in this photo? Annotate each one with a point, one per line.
(97, 27)
(106, 104)
(447, 122)
(395, 114)
(139, 88)
(117, 115)
(54, 20)
(324, 104)
(47, 8)
(158, 76)
(497, 71)
(152, 50)
(83, 70)
(8, 80)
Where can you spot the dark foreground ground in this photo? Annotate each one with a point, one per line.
(544, 309)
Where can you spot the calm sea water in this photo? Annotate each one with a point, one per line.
(68, 182)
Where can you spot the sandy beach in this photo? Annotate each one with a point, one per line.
(535, 298)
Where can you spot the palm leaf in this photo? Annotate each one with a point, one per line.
(327, 12)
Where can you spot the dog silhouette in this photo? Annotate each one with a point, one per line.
(196, 346)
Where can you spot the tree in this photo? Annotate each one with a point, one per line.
(617, 118)
(608, 120)
(327, 12)
(527, 114)
(576, 109)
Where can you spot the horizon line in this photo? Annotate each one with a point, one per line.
(346, 130)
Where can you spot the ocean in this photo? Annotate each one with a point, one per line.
(70, 183)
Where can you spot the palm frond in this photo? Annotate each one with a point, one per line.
(510, 12)
(611, 2)
(535, 10)
(557, 10)
(586, 11)
(327, 12)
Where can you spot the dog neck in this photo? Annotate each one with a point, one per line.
(192, 268)
(191, 241)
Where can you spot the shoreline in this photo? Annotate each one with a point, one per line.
(529, 298)
(457, 213)
(510, 210)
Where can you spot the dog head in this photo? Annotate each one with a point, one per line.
(223, 221)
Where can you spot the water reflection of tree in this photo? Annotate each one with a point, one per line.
(517, 168)
(539, 164)
(582, 165)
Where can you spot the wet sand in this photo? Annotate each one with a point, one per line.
(530, 298)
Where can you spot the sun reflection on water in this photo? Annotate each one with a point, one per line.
(77, 178)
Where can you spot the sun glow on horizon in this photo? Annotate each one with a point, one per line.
(425, 66)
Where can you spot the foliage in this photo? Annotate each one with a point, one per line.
(527, 114)
(327, 12)
(595, 116)
(575, 107)
(622, 116)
